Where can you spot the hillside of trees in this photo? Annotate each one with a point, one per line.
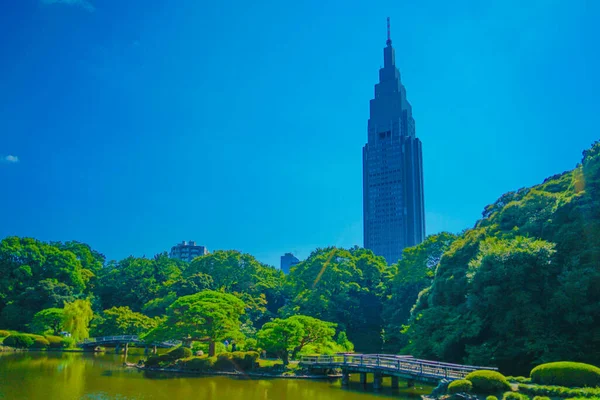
(520, 288)
(523, 286)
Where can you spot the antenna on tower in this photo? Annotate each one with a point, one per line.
(389, 37)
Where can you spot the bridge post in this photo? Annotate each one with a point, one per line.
(377, 380)
(410, 383)
(117, 348)
(345, 377)
(363, 378)
(395, 381)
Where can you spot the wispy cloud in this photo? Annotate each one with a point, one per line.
(9, 159)
(85, 4)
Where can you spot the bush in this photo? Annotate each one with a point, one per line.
(68, 342)
(491, 398)
(154, 361)
(198, 363)
(512, 396)
(460, 386)
(570, 374)
(559, 391)
(237, 360)
(40, 343)
(519, 379)
(4, 333)
(541, 398)
(19, 340)
(54, 342)
(485, 382)
(179, 352)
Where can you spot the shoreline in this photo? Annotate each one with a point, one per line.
(233, 374)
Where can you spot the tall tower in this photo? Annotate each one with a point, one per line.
(393, 204)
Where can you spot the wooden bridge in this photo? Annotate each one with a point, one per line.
(123, 341)
(397, 367)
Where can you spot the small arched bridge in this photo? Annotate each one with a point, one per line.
(397, 367)
(123, 341)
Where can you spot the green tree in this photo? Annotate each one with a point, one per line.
(50, 319)
(291, 335)
(123, 321)
(413, 273)
(77, 317)
(235, 272)
(206, 316)
(35, 275)
(280, 336)
(133, 282)
(342, 286)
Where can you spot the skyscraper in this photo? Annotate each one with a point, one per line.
(393, 205)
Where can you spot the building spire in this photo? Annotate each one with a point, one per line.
(389, 37)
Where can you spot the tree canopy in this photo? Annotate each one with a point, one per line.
(521, 287)
(206, 316)
(291, 335)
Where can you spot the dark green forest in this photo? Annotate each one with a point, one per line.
(520, 288)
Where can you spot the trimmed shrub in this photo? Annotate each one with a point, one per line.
(491, 398)
(154, 361)
(460, 386)
(518, 379)
(19, 340)
(512, 396)
(179, 352)
(40, 343)
(486, 382)
(54, 342)
(559, 391)
(564, 373)
(4, 333)
(541, 398)
(237, 360)
(198, 363)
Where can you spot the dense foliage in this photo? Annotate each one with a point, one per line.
(523, 286)
(345, 287)
(49, 320)
(122, 321)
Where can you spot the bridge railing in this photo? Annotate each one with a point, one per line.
(127, 339)
(121, 338)
(406, 364)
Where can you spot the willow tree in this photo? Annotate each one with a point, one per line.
(76, 318)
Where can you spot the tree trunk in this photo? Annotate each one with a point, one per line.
(295, 351)
(211, 348)
(284, 357)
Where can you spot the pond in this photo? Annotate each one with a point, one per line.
(66, 376)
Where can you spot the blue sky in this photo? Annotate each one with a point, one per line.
(133, 125)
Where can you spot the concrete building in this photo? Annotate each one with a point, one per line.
(288, 261)
(187, 251)
(393, 203)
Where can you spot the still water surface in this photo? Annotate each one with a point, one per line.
(66, 376)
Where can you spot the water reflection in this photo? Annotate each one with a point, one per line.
(102, 376)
